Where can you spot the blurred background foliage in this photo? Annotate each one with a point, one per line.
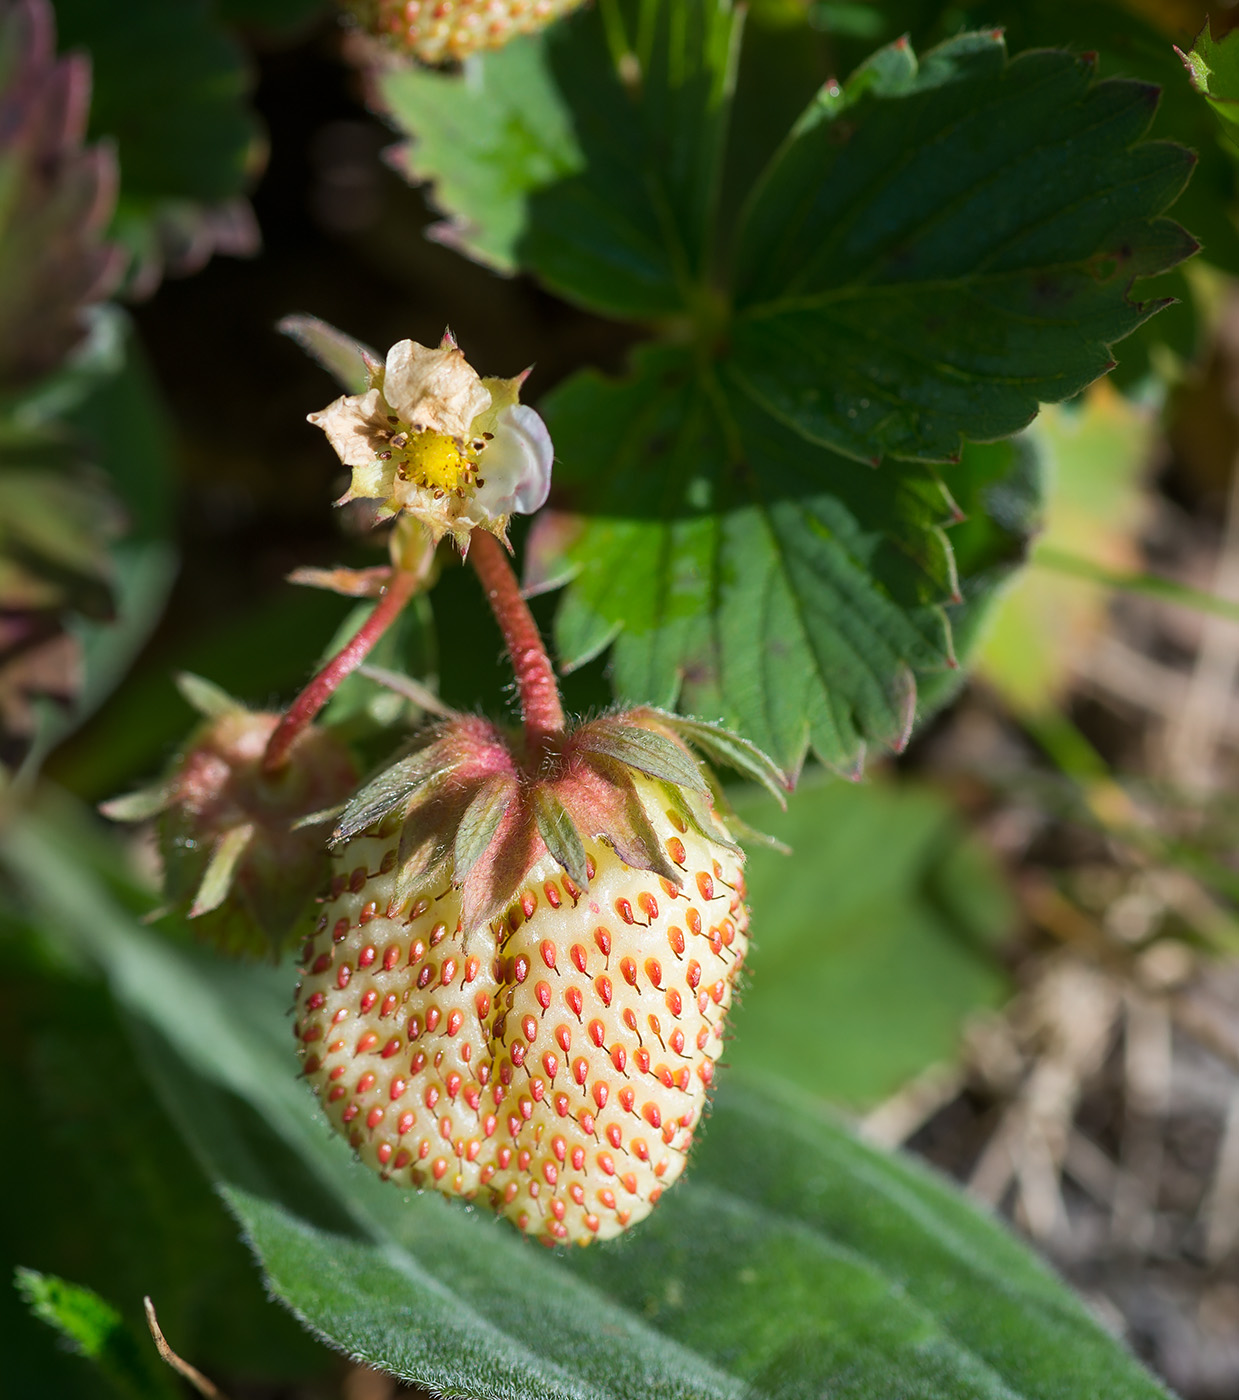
(1021, 931)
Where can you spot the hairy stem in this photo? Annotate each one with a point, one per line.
(299, 714)
(541, 708)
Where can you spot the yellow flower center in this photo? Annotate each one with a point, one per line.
(434, 460)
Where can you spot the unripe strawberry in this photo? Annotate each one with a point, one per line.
(517, 987)
(236, 857)
(438, 30)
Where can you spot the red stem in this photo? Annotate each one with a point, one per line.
(541, 708)
(400, 589)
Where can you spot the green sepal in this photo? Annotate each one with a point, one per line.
(560, 833)
(217, 878)
(382, 796)
(137, 806)
(328, 814)
(355, 366)
(688, 806)
(209, 699)
(643, 749)
(409, 689)
(722, 746)
(640, 827)
(479, 824)
(749, 834)
(423, 852)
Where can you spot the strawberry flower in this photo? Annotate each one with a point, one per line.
(426, 436)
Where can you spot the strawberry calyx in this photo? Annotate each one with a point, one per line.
(475, 807)
(239, 857)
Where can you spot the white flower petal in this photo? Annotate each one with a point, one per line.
(437, 391)
(516, 466)
(352, 424)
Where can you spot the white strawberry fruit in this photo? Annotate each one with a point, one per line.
(440, 30)
(517, 987)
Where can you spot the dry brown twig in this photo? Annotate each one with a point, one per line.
(182, 1367)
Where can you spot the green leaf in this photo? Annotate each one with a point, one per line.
(364, 706)
(545, 158)
(791, 1261)
(1127, 45)
(941, 246)
(1213, 66)
(170, 89)
(133, 1213)
(58, 197)
(875, 938)
(100, 408)
(749, 576)
(95, 1330)
(1097, 453)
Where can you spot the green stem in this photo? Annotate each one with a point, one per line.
(1166, 590)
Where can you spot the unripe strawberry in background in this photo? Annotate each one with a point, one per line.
(235, 859)
(517, 987)
(437, 31)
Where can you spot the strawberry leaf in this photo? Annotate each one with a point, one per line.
(121, 1220)
(95, 1330)
(1127, 45)
(1213, 66)
(749, 576)
(792, 1260)
(940, 245)
(544, 158)
(877, 938)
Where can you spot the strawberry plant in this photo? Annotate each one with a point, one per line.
(468, 996)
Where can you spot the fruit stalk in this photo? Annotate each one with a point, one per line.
(301, 712)
(541, 708)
